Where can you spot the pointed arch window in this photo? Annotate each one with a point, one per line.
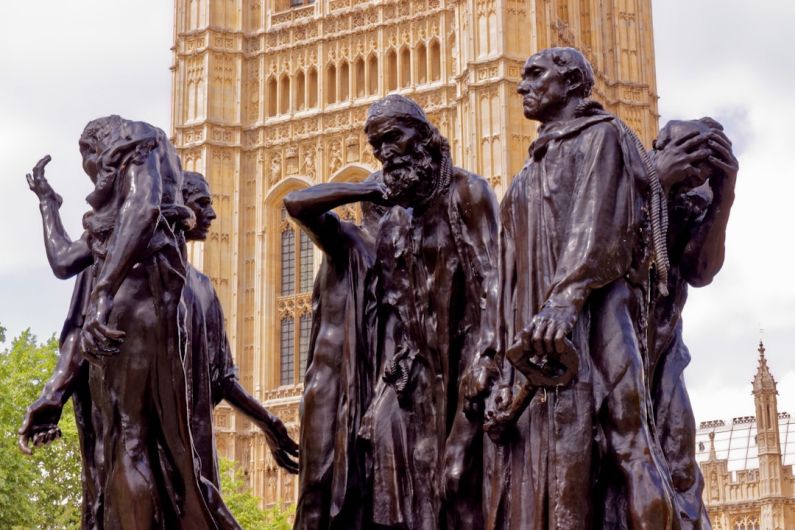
(311, 99)
(284, 94)
(372, 74)
(391, 70)
(359, 82)
(300, 91)
(331, 84)
(345, 79)
(421, 55)
(296, 259)
(272, 96)
(405, 67)
(435, 59)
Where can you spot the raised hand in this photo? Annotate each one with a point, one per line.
(40, 425)
(38, 183)
(678, 161)
(283, 448)
(722, 157)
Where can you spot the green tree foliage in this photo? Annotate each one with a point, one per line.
(43, 490)
(245, 506)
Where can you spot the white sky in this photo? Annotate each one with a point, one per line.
(64, 63)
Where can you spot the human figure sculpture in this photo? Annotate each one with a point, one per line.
(67, 258)
(126, 322)
(576, 251)
(211, 382)
(698, 172)
(339, 373)
(209, 366)
(435, 272)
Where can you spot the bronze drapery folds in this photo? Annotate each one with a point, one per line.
(123, 347)
(471, 364)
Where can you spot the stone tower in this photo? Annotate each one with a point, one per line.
(748, 479)
(270, 96)
(768, 444)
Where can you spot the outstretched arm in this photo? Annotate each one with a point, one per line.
(311, 208)
(281, 445)
(66, 257)
(40, 425)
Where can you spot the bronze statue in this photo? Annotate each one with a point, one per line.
(117, 154)
(209, 367)
(554, 326)
(210, 382)
(576, 245)
(698, 172)
(339, 373)
(435, 274)
(67, 258)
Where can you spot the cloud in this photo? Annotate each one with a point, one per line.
(732, 63)
(63, 64)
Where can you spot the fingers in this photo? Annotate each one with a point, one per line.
(100, 340)
(538, 329)
(724, 153)
(549, 338)
(109, 332)
(289, 446)
(22, 442)
(688, 139)
(284, 461)
(31, 182)
(560, 340)
(691, 141)
(45, 437)
(87, 344)
(43, 162)
(720, 136)
(38, 439)
(721, 165)
(697, 156)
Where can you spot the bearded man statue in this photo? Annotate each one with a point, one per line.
(435, 275)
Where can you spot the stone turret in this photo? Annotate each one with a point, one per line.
(767, 440)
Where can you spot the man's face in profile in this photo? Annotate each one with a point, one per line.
(201, 203)
(543, 88)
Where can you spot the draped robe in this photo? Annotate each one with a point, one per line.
(435, 269)
(338, 381)
(573, 234)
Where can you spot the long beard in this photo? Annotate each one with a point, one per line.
(410, 178)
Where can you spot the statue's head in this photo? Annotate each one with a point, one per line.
(98, 136)
(408, 146)
(196, 195)
(551, 79)
(678, 131)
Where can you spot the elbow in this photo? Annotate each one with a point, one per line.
(62, 272)
(702, 276)
(292, 204)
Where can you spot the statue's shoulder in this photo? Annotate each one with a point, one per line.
(197, 280)
(470, 187)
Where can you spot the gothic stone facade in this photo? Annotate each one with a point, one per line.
(271, 95)
(747, 464)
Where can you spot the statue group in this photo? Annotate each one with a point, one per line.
(471, 364)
